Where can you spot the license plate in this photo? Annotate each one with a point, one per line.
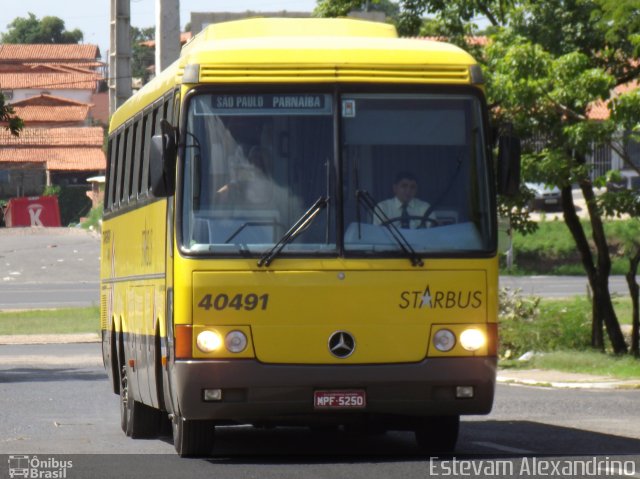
(344, 399)
(551, 201)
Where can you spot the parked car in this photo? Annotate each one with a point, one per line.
(629, 180)
(546, 197)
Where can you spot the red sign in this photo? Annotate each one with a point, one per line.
(32, 211)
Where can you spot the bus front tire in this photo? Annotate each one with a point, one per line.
(192, 438)
(437, 434)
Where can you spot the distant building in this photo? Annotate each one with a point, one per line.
(55, 89)
(49, 156)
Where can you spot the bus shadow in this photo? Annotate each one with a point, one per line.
(478, 439)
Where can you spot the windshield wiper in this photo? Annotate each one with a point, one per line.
(365, 198)
(299, 227)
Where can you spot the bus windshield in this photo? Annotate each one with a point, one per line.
(412, 167)
(254, 164)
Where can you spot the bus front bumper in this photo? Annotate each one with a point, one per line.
(253, 392)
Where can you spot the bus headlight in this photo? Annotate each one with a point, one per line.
(444, 340)
(235, 341)
(472, 339)
(208, 341)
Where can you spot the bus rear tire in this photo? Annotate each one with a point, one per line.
(192, 438)
(136, 419)
(437, 434)
(124, 399)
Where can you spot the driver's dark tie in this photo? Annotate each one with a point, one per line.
(404, 216)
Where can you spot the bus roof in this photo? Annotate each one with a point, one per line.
(307, 50)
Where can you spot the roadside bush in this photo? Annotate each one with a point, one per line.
(94, 219)
(526, 324)
(74, 203)
(552, 250)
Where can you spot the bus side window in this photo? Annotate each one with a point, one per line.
(157, 117)
(129, 145)
(147, 132)
(168, 108)
(135, 160)
(122, 146)
(111, 173)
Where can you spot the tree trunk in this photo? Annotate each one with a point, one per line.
(603, 269)
(575, 227)
(597, 272)
(634, 290)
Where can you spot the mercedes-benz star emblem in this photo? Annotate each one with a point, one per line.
(341, 344)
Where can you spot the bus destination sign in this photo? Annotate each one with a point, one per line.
(302, 103)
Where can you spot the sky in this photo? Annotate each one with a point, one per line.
(92, 16)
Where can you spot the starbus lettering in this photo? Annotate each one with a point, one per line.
(440, 299)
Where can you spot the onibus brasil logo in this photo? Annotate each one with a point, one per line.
(37, 468)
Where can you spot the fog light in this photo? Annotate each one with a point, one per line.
(235, 341)
(212, 394)
(464, 392)
(208, 341)
(444, 340)
(472, 339)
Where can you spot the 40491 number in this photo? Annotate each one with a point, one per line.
(247, 302)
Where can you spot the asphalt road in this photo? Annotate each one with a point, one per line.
(559, 286)
(48, 268)
(56, 403)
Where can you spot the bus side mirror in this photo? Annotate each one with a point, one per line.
(162, 161)
(508, 165)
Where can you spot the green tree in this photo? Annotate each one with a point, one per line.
(617, 203)
(48, 30)
(7, 115)
(142, 56)
(554, 61)
(341, 8)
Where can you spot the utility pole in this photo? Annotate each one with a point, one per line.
(120, 54)
(167, 45)
(167, 33)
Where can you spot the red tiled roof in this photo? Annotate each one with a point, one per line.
(52, 114)
(47, 137)
(48, 100)
(49, 53)
(57, 81)
(71, 66)
(476, 40)
(599, 110)
(60, 159)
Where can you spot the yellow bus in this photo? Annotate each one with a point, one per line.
(254, 269)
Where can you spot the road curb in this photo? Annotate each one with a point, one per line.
(595, 384)
(49, 338)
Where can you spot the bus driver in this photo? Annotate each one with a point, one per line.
(404, 209)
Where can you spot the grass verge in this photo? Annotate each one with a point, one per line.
(51, 321)
(584, 362)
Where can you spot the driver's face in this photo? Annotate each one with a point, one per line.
(405, 190)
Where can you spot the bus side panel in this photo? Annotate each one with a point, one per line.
(134, 267)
